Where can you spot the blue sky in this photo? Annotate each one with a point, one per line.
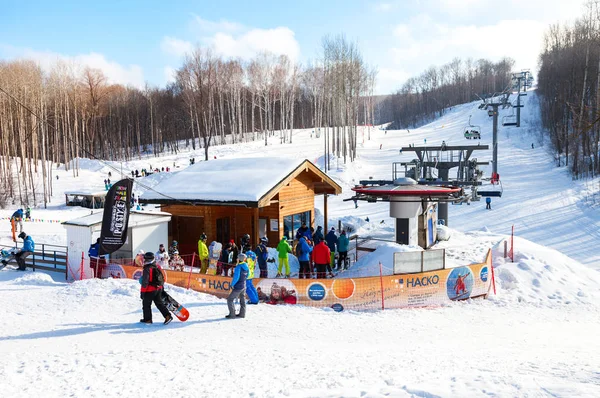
(135, 42)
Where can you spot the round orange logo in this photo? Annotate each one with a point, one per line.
(343, 288)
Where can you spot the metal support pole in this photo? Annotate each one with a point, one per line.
(443, 206)
(495, 140)
(519, 103)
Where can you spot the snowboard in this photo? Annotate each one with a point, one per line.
(214, 253)
(177, 309)
(6, 256)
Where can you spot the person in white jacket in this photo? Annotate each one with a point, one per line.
(162, 257)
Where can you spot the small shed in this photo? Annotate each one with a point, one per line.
(146, 230)
(227, 198)
(89, 199)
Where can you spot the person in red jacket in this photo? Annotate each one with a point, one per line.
(151, 291)
(321, 256)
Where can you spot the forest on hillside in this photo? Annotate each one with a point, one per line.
(426, 97)
(73, 112)
(569, 88)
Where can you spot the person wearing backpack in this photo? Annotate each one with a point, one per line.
(151, 291)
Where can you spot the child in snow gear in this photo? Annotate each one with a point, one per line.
(203, 253)
(488, 203)
(176, 261)
(28, 213)
(238, 288)
(250, 289)
(283, 248)
(151, 291)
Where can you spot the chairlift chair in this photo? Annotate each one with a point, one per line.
(491, 190)
(510, 120)
(471, 131)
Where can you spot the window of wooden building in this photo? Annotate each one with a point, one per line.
(293, 222)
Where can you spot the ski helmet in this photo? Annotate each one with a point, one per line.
(22, 235)
(148, 258)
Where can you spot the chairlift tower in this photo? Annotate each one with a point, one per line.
(521, 77)
(454, 156)
(494, 112)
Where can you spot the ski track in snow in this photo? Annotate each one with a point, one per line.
(536, 337)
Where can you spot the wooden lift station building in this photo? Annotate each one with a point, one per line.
(226, 199)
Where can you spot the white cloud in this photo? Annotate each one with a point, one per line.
(278, 41)
(383, 7)
(115, 73)
(206, 26)
(231, 39)
(174, 46)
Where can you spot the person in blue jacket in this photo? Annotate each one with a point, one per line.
(488, 203)
(343, 243)
(17, 217)
(26, 251)
(303, 250)
(238, 288)
(250, 289)
(303, 231)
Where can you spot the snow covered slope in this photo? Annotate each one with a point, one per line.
(536, 337)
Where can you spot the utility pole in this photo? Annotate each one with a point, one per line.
(494, 112)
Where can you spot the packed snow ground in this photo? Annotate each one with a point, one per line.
(537, 337)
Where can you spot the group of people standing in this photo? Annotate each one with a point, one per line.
(316, 253)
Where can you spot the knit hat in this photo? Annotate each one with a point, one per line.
(241, 257)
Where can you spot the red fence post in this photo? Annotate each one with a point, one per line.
(381, 280)
(191, 269)
(81, 267)
(512, 245)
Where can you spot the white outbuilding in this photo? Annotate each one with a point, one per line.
(146, 230)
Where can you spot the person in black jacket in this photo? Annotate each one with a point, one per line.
(152, 291)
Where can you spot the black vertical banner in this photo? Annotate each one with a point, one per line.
(116, 217)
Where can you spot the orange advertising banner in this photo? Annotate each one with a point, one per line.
(369, 293)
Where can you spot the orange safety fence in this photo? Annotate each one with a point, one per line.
(364, 293)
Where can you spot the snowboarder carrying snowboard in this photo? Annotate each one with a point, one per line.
(151, 290)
